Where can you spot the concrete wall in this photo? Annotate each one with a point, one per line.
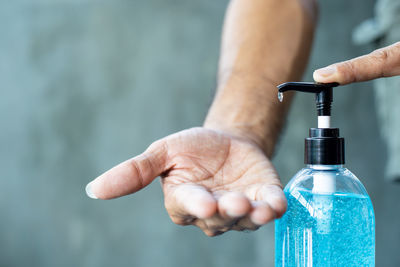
(86, 84)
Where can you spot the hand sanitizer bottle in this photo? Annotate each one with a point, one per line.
(330, 219)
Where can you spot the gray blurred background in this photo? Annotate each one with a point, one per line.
(86, 84)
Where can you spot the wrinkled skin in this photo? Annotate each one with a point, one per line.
(210, 179)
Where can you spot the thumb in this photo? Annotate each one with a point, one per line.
(131, 175)
(384, 62)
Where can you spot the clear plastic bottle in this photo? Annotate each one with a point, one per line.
(329, 222)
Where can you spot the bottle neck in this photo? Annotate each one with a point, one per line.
(324, 167)
(324, 147)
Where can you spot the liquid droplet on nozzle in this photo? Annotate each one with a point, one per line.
(280, 96)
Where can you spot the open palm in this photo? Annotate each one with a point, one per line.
(210, 179)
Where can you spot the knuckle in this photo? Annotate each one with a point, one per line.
(200, 224)
(346, 71)
(214, 226)
(212, 233)
(238, 228)
(208, 233)
(387, 57)
(179, 220)
(219, 223)
(380, 57)
(245, 224)
(156, 145)
(396, 49)
(380, 54)
(136, 168)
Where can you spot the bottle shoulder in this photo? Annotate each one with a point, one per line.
(327, 181)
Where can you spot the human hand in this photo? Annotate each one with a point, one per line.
(210, 179)
(384, 62)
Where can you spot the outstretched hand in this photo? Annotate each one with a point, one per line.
(209, 178)
(384, 62)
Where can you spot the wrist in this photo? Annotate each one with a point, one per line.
(247, 106)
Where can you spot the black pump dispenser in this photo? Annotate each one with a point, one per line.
(323, 146)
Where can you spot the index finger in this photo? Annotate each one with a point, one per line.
(384, 62)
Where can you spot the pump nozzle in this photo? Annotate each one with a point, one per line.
(323, 97)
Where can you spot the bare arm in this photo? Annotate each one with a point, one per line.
(219, 177)
(264, 43)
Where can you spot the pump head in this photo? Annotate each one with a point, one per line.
(323, 97)
(323, 146)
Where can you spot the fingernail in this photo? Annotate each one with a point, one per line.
(325, 72)
(89, 192)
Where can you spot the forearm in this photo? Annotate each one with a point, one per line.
(264, 43)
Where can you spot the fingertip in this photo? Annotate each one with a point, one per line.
(89, 191)
(234, 204)
(279, 205)
(190, 200)
(325, 75)
(205, 210)
(262, 213)
(317, 78)
(202, 206)
(277, 201)
(99, 188)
